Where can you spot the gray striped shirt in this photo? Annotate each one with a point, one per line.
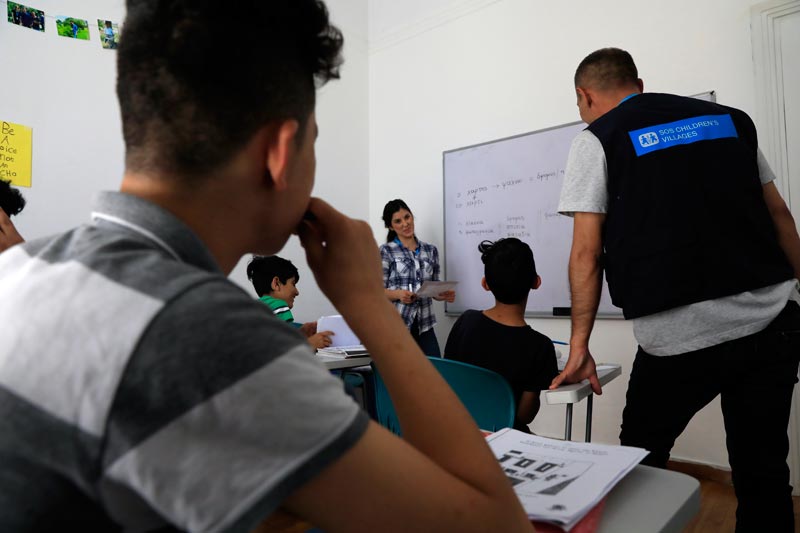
(140, 389)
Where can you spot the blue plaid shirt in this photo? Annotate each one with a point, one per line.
(400, 272)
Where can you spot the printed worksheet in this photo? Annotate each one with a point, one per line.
(560, 481)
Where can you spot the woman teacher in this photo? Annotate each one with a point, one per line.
(407, 263)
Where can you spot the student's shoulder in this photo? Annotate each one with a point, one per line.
(470, 316)
(465, 324)
(272, 303)
(540, 340)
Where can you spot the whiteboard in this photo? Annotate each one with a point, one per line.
(510, 188)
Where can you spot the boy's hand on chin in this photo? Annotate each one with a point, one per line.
(344, 257)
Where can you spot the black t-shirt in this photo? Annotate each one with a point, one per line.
(522, 355)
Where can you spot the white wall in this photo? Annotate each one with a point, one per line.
(504, 67)
(342, 150)
(65, 90)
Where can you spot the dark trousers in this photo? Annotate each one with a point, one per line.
(426, 340)
(755, 377)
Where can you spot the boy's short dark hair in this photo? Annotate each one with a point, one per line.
(262, 269)
(509, 269)
(193, 88)
(607, 68)
(11, 200)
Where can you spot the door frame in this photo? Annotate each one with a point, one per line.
(768, 60)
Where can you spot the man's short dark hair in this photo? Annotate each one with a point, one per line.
(509, 269)
(197, 78)
(605, 69)
(11, 200)
(261, 270)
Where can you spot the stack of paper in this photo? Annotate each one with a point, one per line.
(343, 352)
(560, 481)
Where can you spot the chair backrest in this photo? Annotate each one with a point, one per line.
(486, 395)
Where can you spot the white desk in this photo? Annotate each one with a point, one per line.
(575, 392)
(338, 363)
(652, 500)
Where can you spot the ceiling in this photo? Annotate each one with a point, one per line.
(394, 20)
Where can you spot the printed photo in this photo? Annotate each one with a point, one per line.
(73, 28)
(25, 16)
(109, 33)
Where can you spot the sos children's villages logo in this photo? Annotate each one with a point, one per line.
(648, 139)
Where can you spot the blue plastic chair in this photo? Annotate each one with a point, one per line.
(486, 395)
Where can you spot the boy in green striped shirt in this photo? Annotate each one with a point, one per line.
(275, 281)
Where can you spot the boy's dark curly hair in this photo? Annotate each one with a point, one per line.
(11, 200)
(197, 78)
(509, 268)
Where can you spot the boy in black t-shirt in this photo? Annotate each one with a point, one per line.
(499, 339)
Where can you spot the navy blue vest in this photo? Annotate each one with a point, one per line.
(686, 220)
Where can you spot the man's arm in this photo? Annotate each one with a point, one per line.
(585, 280)
(8, 233)
(784, 225)
(441, 476)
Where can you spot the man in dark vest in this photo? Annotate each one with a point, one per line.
(672, 198)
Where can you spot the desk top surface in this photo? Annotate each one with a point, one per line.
(576, 392)
(651, 499)
(334, 363)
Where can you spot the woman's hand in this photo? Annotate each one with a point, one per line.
(446, 296)
(399, 295)
(406, 297)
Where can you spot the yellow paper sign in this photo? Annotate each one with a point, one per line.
(15, 153)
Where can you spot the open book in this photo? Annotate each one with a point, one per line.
(560, 481)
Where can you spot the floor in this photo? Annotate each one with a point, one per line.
(718, 509)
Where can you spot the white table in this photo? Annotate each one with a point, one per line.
(652, 500)
(575, 392)
(338, 363)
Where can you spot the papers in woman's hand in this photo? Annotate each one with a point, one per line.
(430, 289)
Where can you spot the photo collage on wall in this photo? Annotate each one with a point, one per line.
(70, 27)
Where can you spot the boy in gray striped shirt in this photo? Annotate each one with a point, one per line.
(141, 390)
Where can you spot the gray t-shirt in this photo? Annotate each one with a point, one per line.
(689, 327)
(142, 390)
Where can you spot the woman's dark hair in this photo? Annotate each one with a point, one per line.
(262, 269)
(190, 98)
(11, 200)
(392, 207)
(509, 269)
